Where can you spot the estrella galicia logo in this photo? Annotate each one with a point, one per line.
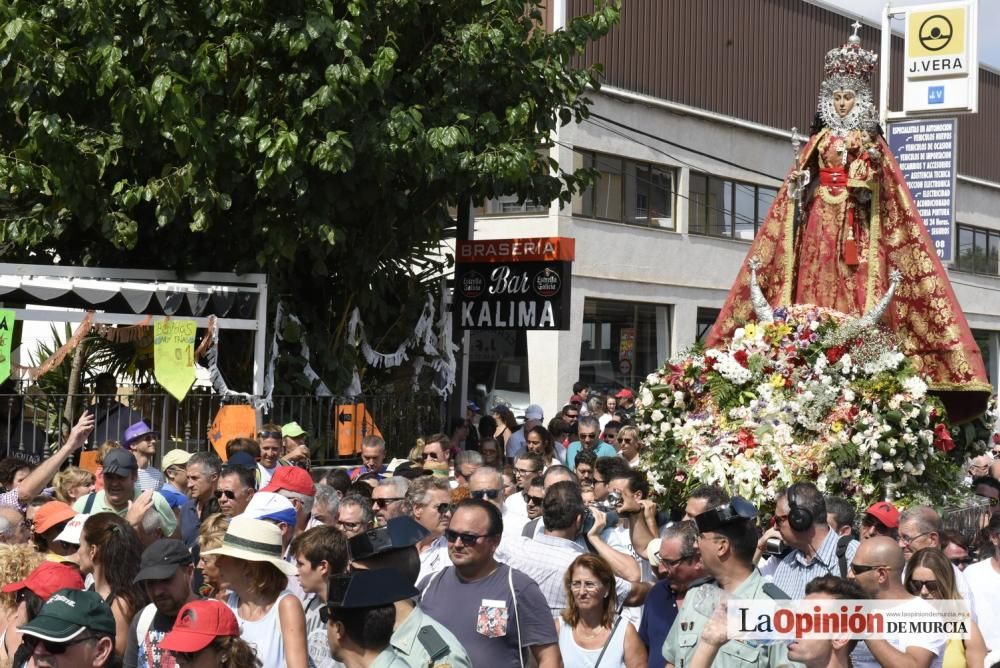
(547, 283)
(473, 284)
(935, 95)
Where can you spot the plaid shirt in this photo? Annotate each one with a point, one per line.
(795, 572)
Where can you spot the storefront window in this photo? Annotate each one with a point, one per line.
(620, 343)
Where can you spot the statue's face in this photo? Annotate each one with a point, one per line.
(843, 102)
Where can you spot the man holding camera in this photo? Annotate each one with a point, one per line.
(727, 540)
(800, 516)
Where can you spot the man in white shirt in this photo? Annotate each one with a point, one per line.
(920, 527)
(878, 569)
(985, 577)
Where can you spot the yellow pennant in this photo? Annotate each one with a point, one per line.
(173, 356)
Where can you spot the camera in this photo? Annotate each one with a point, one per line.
(774, 547)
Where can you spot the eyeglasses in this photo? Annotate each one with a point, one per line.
(467, 539)
(484, 493)
(349, 526)
(858, 569)
(961, 561)
(586, 585)
(386, 502)
(228, 493)
(524, 472)
(445, 508)
(586, 437)
(54, 647)
(674, 563)
(571, 416)
(269, 434)
(907, 540)
(529, 499)
(780, 519)
(624, 439)
(917, 586)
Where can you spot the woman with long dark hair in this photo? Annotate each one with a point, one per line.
(110, 551)
(539, 441)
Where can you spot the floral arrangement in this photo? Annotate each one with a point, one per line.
(812, 395)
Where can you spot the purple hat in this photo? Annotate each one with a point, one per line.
(133, 433)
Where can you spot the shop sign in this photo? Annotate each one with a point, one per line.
(927, 158)
(941, 67)
(514, 283)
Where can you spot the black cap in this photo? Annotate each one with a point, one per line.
(399, 533)
(120, 461)
(162, 559)
(369, 589)
(737, 510)
(410, 471)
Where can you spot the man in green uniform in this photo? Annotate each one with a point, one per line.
(359, 616)
(727, 541)
(418, 640)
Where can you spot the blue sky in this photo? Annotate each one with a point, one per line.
(871, 10)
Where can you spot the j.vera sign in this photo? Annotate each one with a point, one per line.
(514, 283)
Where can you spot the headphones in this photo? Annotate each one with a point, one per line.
(799, 518)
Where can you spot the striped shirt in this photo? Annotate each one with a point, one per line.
(795, 571)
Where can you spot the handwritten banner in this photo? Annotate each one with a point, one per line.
(173, 356)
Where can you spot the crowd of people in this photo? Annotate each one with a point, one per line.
(500, 544)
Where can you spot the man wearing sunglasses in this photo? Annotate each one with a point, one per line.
(920, 527)
(235, 489)
(881, 519)
(498, 614)
(387, 499)
(878, 569)
(73, 628)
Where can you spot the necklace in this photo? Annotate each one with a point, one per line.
(591, 633)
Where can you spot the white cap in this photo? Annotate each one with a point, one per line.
(534, 412)
(71, 532)
(270, 506)
(653, 552)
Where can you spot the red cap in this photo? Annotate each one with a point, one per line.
(625, 393)
(198, 624)
(51, 514)
(291, 479)
(885, 513)
(48, 578)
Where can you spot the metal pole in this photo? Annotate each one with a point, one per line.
(883, 79)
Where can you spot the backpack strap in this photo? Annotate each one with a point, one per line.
(89, 505)
(142, 630)
(529, 528)
(842, 544)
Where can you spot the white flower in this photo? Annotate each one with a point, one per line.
(848, 394)
(645, 397)
(656, 415)
(915, 386)
(888, 467)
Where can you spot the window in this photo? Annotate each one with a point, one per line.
(978, 250)
(721, 208)
(626, 191)
(619, 347)
(508, 204)
(984, 339)
(706, 318)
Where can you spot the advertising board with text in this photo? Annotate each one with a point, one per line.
(941, 65)
(514, 283)
(926, 152)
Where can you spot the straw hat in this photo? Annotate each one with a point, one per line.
(253, 540)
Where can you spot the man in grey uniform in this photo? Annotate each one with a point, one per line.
(418, 640)
(727, 540)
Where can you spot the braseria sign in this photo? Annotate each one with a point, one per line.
(514, 283)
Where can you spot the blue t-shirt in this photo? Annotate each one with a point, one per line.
(602, 450)
(657, 617)
(175, 498)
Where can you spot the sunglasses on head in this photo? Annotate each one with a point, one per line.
(485, 494)
(269, 434)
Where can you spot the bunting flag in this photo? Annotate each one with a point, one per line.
(6, 334)
(173, 356)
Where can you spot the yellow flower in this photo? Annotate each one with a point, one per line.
(777, 380)
(777, 331)
(836, 427)
(750, 330)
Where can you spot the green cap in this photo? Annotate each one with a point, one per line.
(292, 430)
(68, 613)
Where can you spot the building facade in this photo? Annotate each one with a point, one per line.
(691, 137)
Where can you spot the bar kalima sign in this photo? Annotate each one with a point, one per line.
(514, 283)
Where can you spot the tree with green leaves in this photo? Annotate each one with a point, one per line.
(319, 141)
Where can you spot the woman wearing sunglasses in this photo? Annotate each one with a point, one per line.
(206, 635)
(930, 576)
(591, 634)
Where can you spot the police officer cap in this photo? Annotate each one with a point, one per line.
(737, 510)
(399, 532)
(369, 589)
